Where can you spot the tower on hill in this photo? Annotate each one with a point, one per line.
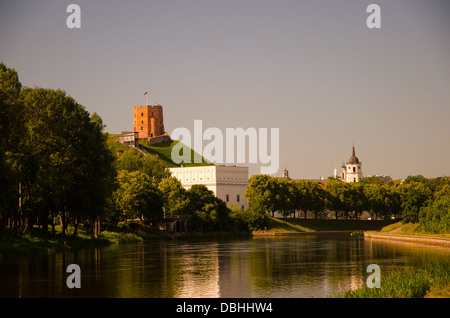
(148, 121)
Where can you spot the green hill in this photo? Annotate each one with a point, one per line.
(163, 150)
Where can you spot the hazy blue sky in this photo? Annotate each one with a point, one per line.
(310, 68)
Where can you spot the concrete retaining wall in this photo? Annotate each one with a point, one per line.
(411, 238)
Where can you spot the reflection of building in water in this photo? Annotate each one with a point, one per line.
(356, 281)
(234, 274)
(267, 268)
(206, 274)
(200, 274)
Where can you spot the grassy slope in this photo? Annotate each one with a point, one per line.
(408, 229)
(163, 150)
(315, 225)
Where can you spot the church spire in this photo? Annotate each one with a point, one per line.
(353, 159)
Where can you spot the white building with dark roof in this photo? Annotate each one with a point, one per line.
(351, 172)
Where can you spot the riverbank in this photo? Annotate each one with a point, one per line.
(422, 239)
(290, 227)
(409, 233)
(38, 241)
(58, 243)
(137, 232)
(431, 281)
(426, 281)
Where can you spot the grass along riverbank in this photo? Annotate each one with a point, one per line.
(409, 229)
(37, 240)
(426, 281)
(287, 225)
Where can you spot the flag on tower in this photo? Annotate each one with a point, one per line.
(145, 93)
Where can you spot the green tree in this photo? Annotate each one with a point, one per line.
(394, 198)
(130, 160)
(72, 164)
(435, 218)
(371, 180)
(134, 159)
(138, 196)
(10, 130)
(311, 197)
(415, 195)
(358, 198)
(263, 191)
(256, 217)
(153, 167)
(286, 198)
(174, 196)
(376, 199)
(418, 178)
(443, 191)
(336, 193)
(209, 213)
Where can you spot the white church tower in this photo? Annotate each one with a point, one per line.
(351, 172)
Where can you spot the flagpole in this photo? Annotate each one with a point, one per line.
(146, 97)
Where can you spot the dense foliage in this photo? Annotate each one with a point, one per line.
(416, 200)
(54, 159)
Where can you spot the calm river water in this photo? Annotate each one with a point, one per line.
(301, 266)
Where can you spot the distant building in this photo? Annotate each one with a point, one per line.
(351, 172)
(227, 182)
(286, 174)
(129, 138)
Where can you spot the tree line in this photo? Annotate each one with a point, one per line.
(54, 162)
(415, 200)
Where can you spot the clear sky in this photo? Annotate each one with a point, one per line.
(311, 68)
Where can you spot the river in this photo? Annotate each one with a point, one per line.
(277, 267)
